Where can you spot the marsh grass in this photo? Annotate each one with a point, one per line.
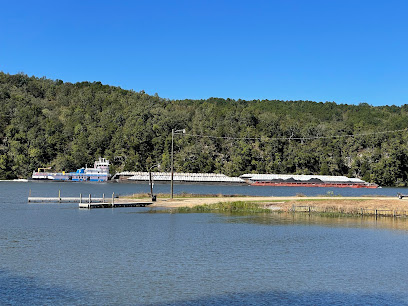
(231, 207)
(243, 207)
(337, 214)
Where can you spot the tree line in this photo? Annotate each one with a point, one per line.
(46, 122)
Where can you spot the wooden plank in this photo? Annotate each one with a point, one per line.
(116, 205)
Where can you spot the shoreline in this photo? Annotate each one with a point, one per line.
(321, 203)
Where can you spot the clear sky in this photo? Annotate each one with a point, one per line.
(346, 51)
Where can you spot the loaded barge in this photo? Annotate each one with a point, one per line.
(189, 178)
(99, 173)
(281, 180)
(287, 180)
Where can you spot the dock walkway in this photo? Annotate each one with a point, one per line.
(115, 205)
(64, 199)
(90, 202)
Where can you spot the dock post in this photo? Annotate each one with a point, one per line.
(103, 198)
(113, 199)
(59, 196)
(89, 199)
(80, 198)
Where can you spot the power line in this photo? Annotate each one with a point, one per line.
(295, 138)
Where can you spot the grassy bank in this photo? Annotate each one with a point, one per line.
(325, 207)
(230, 207)
(328, 204)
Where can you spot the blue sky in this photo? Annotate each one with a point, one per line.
(342, 51)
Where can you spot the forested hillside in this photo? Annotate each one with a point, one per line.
(47, 122)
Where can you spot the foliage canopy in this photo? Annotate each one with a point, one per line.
(53, 123)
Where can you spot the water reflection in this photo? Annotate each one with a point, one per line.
(58, 254)
(292, 298)
(288, 218)
(97, 189)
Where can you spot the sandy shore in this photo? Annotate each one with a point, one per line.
(285, 203)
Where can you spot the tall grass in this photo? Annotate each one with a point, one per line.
(231, 207)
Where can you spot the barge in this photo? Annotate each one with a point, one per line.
(279, 180)
(285, 180)
(189, 178)
(99, 173)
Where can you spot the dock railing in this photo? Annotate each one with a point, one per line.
(61, 199)
(90, 202)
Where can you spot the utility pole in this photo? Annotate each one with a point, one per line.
(173, 132)
(151, 181)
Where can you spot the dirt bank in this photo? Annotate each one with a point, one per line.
(285, 203)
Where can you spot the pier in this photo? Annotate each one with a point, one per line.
(90, 202)
(62, 200)
(114, 205)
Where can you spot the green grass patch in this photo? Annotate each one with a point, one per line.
(231, 207)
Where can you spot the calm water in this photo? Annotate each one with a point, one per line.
(57, 254)
(97, 189)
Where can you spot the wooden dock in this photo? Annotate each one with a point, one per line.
(80, 199)
(64, 200)
(89, 202)
(114, 205)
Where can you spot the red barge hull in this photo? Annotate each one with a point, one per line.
(337, 185)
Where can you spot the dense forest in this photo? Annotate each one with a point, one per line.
(53, 123)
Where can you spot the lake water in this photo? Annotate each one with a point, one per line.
(97, 189)
(54, 254)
